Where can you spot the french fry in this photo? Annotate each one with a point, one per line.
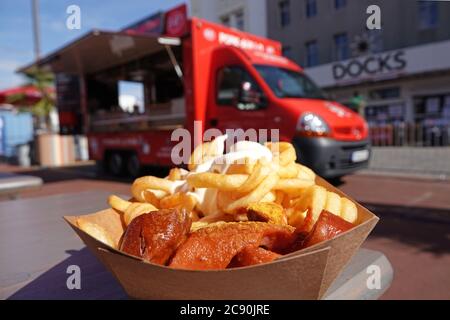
(206, 151)
(256, 195)
(224, 198)
(179, 200)
(175, 174)
(260, 172)
(245, 168)
(151, 183)
(216, 181)
(270, 197)
(198, 156)
(296, 218)
(118, 203)
(293, 187)
(152, 198)
(333, 204)
(349, 212)
(313, 201)
(290, 171)
(284, 152)
(305, 172)
(137, 209)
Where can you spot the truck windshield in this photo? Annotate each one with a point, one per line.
(290, 84)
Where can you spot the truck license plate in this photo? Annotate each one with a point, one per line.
(360, 156)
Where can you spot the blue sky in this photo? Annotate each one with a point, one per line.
(16, 41)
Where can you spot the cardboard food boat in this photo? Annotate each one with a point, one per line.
(305, 274)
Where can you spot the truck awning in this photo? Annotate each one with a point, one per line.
(100, 50)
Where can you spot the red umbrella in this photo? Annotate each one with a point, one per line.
(26, 95)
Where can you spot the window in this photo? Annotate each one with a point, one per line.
(289, 84)
(235, 19)
(287, 52)
(240, 23)
(339, 4)
(341, 47)
(312, 54)
(385, 114)
(428, 14)
(237, 88)
(311, 8)
(385, 93)
(225, 21)
(131, 96)
(376, 40)
(285, 15)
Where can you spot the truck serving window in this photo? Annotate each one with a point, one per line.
(236, 87)
(289, 84)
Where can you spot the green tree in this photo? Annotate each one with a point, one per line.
(44, 82)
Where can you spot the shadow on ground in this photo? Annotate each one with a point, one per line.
(96, 281)
(424, 229)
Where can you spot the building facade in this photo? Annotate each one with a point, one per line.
(399, 74)
(245, 15)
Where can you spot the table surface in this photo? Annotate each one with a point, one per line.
(37, 246)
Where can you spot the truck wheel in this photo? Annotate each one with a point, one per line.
(99, 167)
(115, 164)
(133, 165)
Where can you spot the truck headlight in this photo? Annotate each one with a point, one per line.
(312, 125)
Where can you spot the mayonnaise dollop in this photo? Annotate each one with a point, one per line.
(207, 198)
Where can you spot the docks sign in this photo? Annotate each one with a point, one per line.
(370, 65)
(383, 66)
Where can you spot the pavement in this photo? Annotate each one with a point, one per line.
(424, 161)
(414, 230)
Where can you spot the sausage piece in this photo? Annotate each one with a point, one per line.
(214, 247)
(326, 228)
(155, 236)
(250, 256)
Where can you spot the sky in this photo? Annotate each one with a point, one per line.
(16, 40)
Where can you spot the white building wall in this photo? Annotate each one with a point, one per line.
(255, 13)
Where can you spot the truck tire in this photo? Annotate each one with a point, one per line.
(133, 165)
(115, 163)
(100, 167)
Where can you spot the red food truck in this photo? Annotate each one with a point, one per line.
(191, 70)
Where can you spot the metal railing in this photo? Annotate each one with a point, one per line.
(410, 134)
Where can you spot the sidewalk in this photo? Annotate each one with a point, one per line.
(422, 199)
(431, 161)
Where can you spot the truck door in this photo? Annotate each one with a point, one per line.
(238, 101)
